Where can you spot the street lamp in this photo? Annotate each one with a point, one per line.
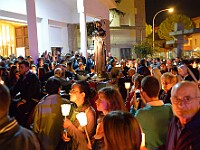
(169, 10)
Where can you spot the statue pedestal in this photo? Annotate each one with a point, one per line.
(101, 77)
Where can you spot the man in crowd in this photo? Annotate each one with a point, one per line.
(58, 74)
(28, 86)
(48, 118)
(12, 135)
(154, 118)
(184, 129)
(142, 69)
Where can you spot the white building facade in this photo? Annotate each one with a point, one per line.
(48, 20)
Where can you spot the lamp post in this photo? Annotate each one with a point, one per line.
(169, 10)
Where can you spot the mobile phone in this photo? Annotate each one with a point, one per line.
(137, 95)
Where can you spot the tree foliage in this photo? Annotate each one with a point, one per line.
(148, 30)
(142, 50)
(167, 25)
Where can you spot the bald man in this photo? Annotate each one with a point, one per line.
(184, 129)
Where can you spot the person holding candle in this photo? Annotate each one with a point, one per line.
(136, 100)
(109, 99)
(80, 95)
(48, 118)
(121, 131)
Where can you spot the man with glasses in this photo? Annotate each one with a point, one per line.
(184, 129)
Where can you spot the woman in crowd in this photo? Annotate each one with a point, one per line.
(121, 131)
(157, 74)
(136, 100)
(174, 71)
(79, 94)
(168, 80)
(13, 76)
(131, 93)
(109, 99)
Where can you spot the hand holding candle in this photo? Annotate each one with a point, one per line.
(127, 86)
(82, 118)
(65, 108)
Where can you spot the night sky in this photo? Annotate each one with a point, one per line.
(190, 8)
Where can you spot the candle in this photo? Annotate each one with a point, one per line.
(1, 81)
(127, 85)
(143, 140)
(82, 118)
(65, 109)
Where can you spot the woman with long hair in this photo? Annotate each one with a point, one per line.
(80, 95)
(109, 99)
(121, 131)
(13, 76)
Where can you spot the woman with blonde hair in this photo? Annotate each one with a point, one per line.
(157, 74)
(121, 131)
(168, 80)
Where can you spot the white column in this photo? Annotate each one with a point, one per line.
(32, 29)
(45, 35)
(83, 30)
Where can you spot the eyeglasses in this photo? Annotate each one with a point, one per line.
(185, 99)
(74, 91)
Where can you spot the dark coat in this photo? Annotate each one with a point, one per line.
(189, 138)
(28, 86)
(143, 70)
(17, 137)
(165, 96)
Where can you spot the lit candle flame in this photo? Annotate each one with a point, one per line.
(1, 82)
(82, 118)
(143, 140)
(127, 85)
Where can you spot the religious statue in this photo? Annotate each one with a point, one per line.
(99, 36)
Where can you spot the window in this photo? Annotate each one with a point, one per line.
(125, 53)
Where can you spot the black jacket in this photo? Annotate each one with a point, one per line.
(189, 138)
(28, 86)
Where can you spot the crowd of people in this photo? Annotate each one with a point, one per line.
(159, 111)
